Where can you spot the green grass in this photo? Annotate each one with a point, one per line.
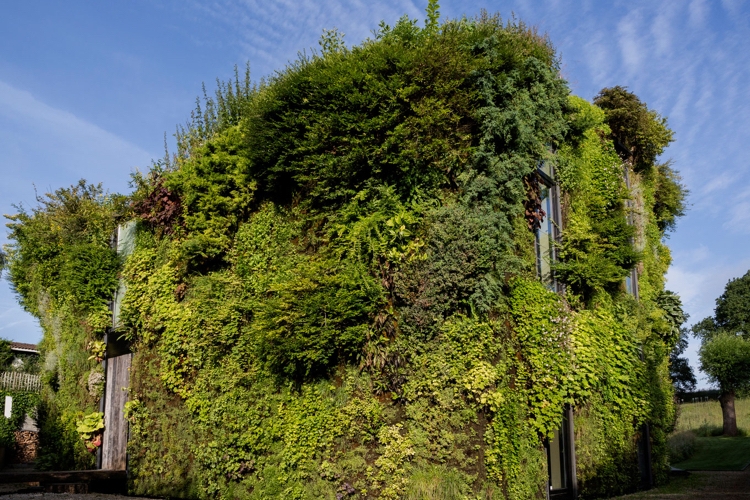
(693, 416)
(718, 453)
(696, 485)
(695, 443)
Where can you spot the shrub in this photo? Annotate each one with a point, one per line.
(682, 445)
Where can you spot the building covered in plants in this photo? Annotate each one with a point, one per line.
(414, 268)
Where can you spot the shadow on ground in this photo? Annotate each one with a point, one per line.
(709, 485)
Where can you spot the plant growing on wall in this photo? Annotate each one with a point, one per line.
(23, 403)
(90, 428)
(97, 348)
(333, 290)
(62, 265)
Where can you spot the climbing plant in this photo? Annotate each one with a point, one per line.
(333, 291)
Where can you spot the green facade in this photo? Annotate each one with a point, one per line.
(335, 286)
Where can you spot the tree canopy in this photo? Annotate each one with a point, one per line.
(726, 360)
(732, 312)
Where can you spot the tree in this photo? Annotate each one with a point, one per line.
(725, 358)
(641, 132)
(725, 352)
(680, 370)
(6, 355)
(675, 336)
(732, 313)
(733, 307)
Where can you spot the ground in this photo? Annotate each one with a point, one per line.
(701, 485)
(69, 496)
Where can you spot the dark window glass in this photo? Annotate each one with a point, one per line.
(547, 234)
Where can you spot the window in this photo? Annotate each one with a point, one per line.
(631, 280)
(549, 228)
(558, 472)
(560, 448)
(561, 460)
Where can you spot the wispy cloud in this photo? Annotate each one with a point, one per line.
(699, 286)
(54, 124)
(270, 33)
(663, 27)
(699, 281)
(48, 147)
(630, 41)
(598, 58)
(718, 183)
(698, 13)
(15, 323)
(739, 222)
(733, 7)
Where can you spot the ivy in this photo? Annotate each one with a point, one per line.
(24, 403)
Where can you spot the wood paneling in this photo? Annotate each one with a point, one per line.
(114, 445)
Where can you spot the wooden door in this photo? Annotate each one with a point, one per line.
(115, 439)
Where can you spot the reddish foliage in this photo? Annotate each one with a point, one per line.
(533, 204)
(161, 208)
(180, 291)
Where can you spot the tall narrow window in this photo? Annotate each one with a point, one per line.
(558, 471)
(561, 460)
(549, 229)
(560, 448)
(631, 280)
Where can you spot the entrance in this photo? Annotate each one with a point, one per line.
(561, 460)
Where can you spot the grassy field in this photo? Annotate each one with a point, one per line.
(717, 464)
(696, 443)
(703, 485)
(718, 453)
(697, 416)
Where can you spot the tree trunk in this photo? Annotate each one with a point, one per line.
(727, 411)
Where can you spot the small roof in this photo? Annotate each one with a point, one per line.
(23, 347)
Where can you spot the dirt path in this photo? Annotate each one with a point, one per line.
(701, 485)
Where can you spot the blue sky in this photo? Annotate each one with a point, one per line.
(88, 89)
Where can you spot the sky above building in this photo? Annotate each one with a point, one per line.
(89, 90)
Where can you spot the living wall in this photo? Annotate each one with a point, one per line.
(334, 293)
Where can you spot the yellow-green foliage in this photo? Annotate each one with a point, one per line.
(596, 252)
(333, 295)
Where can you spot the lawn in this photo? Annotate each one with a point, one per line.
(715, 485)
(694, 416)
(696, 443)
(715, 462)
(718, 453)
